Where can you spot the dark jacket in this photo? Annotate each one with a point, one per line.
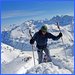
(41, 39)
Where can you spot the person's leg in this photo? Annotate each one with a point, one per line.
(40, 55)
(48, 54)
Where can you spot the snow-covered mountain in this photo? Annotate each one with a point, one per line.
(18, 36)
(63, 20)
(16, 49)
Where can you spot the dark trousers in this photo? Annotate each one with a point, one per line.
(40, 55)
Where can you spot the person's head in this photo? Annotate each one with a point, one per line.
(44, 29)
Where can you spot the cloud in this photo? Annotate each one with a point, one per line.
(20, 13)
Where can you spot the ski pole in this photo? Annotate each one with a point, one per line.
(62, 40)
(32, 47)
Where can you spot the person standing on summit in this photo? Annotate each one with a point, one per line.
(41, 37)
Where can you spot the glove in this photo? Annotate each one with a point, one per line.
(31, 41)
(60, 34)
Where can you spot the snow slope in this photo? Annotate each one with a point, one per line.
(13, 59)
(18, 63)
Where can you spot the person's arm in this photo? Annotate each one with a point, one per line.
(32, 40)
(54, 37)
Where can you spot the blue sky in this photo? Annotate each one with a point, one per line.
(17, 11)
